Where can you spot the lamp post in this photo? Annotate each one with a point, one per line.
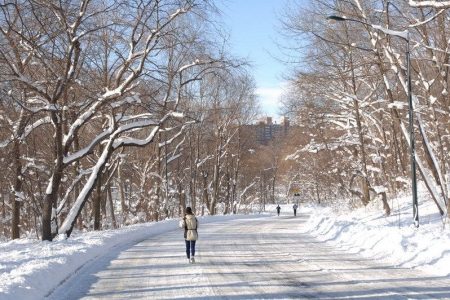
(404, 35)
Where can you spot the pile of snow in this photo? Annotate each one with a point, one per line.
(31, 269)
(368, 232)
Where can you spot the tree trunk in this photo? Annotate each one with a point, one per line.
(182, 199)
(432, 161)
(103, 204)
(386, 206)
(15, 222)
(3, 214)
(193, 167)
(274, 180)
(49, 222)
(123, 205)
(158, 182)
(365, 182)
(157, 201)
(49, 199)
(97, 202)
(205, 190)
(236, 174)
(76, 189)
(48, 218)
(71, 219)
(228, 195)
(111, 207)
(80, 218)
(18, 193)
(317, 192)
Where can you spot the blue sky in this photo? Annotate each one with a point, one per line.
(252, 25)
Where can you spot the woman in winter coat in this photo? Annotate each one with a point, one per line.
(190, 225)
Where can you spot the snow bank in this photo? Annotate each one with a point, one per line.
(368, 232)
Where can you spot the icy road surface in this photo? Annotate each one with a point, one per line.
(262, 258)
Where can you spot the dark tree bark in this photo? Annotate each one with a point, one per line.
(97, 203)
(51, 196)
(15, 222)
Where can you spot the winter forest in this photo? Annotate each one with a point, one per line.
(127, 111)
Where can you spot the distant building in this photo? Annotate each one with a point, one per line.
(267, 131)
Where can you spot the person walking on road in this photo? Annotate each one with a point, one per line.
(190, 225)
(278, 209)
(295, 209)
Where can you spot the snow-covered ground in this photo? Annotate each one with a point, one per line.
(368, 232)
(395, 239)
(31, 269)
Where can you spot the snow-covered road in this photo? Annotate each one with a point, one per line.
(261, 258)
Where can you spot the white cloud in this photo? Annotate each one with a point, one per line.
(270, 99)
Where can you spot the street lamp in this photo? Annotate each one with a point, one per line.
(404, 35)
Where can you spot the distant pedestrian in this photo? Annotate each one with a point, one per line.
(295, 209)
(278, 209)
(190, 225)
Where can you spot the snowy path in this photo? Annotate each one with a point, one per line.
(263, 258)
